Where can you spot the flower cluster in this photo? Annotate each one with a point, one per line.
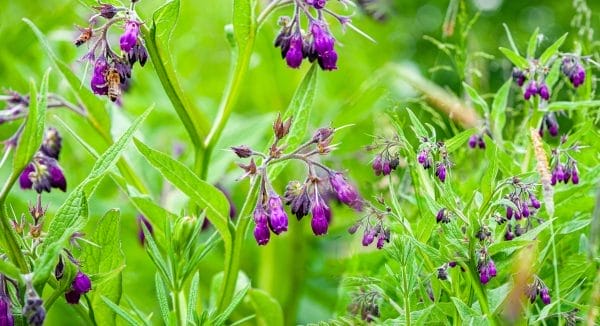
(81, 285)
(111, 71)
(485, 267)
(44, 173)
(477, 141)
(571, 67)
(564, 166)
(315, 44)
(550, 122)
(373, 226)
(312, 196)
(536, 85)
(523, 206)
(387, 158)
(434, 154)
(538, 288)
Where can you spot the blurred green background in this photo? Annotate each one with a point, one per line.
(303, 272)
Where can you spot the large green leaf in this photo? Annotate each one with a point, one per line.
(105, 261)
(33, 132)
(97, 113)
(268, 310)
(243, 22)
(498, 114)
(204, 194)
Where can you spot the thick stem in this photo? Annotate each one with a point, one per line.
(180, 306)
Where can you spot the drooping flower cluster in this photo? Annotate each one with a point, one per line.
(373, 226)
(564, 166)
(112, 71)
(81, 285)
(532, 81)
(477, 140)
(571, 67)
(434, 154)
(388, 157)
(521, 211)
(485, 266)
(550, 122)
(312, 196)
(538, 288)
(316, 43)
(44, 173)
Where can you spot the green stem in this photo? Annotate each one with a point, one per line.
(180, 306)
(479, 293)
(406, 296)
(227, 103)
(232, 260)
(12, 242)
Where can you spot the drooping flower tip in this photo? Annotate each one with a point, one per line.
(81, 283)
(545, 296)
(321, 214)
(368, 237)
(440, 172)
(317, 4)
(344, 191)
(294, 55)
(544, 92)
(42, 174)
(530, 90)
(262, 234)
(278, 220)
(98, 82)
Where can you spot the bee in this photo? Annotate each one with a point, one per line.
(86, 34)
(113, 81)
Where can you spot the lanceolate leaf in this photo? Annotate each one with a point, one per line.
(477, 99)
(516, 59)
(243, 22)
(32, 135)
(552, 49)
(204, 194)
(498, 115)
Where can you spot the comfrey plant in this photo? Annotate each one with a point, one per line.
(311, 196)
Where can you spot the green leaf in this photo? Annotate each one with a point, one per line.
(98, 115)
(489, 177)
(420, 130)
(476, 98)
(193, 298)
(457, 141)
(243, 22)
(498, 114)
(9, 269)
(105, 259)
(268, 310)
(156, 256)
(552, 49)
(235, 301)
(204, 194)
(33, 132)
(119, 311)
(566, 105)
(554, 74)
(510, 39)
(516, 59)
(532, 45)
(157, 43)
(299, 110)
(163, 299)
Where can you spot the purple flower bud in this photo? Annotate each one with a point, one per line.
(491, 268)
(440, 172)
(368, 237)
(578, 77)
(344, 191)
(545, 296)
(381, 240)
(473, 141)
(575, 175)
(6, 317)
(525, 209)
(57, 178)
(129, 38)
(386, 169)
(294, 55)
(72, 297)
(261, 230)
(509, 235)
(328, 60)
(321, 214)
(317, 4)
(24, 180)
(552, 124)
(81, 283)
(142, 220)
(509, 212)
(530, 90)
(106, 10)
(278, 220)
(452, 264)
(518, 76)
(544, 91)
(354, 228)
(484, 276)
(378, 165)
(535, 203)
(560, 172)
(42, 174)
